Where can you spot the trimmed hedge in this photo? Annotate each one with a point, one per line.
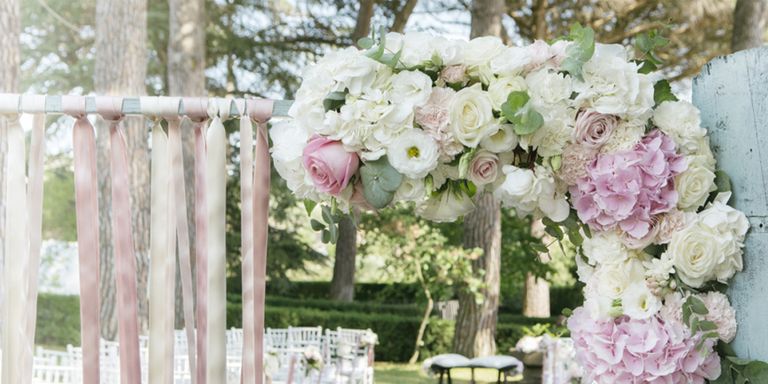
(58, 320)
(330, 305)
(396, 293)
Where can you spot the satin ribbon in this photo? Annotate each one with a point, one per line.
(246, 229)
(197, 115)
(216, 190)
(260, 111)
(16, 251)
(35, 197)
(182, 231)
(163, 259)
(87, 216)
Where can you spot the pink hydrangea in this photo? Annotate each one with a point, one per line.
(628, 188)
(625, 350)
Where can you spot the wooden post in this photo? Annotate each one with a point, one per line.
(732, 93)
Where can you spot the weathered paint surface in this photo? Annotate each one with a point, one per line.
(732, 93)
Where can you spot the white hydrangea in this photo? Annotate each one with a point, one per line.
(681, 121)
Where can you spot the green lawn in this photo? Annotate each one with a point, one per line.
(391, 373)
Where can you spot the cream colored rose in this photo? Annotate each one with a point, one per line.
(694, 185)
(471, 111)
(696, 253)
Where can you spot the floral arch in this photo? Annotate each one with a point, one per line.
(585, 135)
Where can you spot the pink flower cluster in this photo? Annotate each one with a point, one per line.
(653, 350)
(627, 188)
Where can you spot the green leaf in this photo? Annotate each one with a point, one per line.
(334, 101)
(380, 181)
(580, 51)
(662, 92)
(646, 67)
(726, 375)
(756, 372)
(365, 43)
(539, 247)
(518, 112)
(722, 181)
(531, 121)
(326, 236)
(576, 238)
(464, 162)
(738, 361)
(552, 228)
(697, 306)
(316, 225)
(309, 206)
(706, 326)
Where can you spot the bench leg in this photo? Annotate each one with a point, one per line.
(441, 376)
(449, 377)
(498, 377)
(472, 375)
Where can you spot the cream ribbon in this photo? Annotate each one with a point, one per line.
(16, 254)
(216, 190)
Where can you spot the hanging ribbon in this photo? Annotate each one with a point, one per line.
(125, 258)
(163, 255)
(36, 105)
(197, 113)
(260, 111)
(246, 206)
(182, 231)
(216, 190)
(16, 246)
(87, 216)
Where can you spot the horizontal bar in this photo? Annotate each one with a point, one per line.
(132, 106)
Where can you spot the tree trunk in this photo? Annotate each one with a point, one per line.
(120, 69)
(186, 77)
(476, 322)
(536, 299)
(424, 319)
(10, 24)
(343, 281)
(363, 24)
(749, 23)
(402, 16)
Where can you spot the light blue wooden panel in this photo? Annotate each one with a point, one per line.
(732, 93)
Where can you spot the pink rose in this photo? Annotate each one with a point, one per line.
(484, 168)
(593, 129)
(329, 165)
(454, 74)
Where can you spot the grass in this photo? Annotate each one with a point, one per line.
(392, 373)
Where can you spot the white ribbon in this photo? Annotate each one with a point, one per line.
(216, 174)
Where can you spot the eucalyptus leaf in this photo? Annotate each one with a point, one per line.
(334, 101)
(756, 372)
(365, 43)
(380, 181)
(697, 306)
(722, 181)
(309, 206)
(316, 225)
(580, 51)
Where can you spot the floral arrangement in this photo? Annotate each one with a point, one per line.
(587, 136)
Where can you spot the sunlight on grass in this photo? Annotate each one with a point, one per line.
(390, 373)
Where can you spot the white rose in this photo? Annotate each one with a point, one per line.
(450, 51)
(414, 153)
(499, 89)
(612, 85)
(681, 121)
(471, 111)
(694, 184)
(446, 206)
(510, 62)
(731, 227)
(503, 138)
(638, 302)
(416, 47)
(516, 190)
(411, 190)
(410, 89)
(481, 50)
(696, 252)
(605, 248)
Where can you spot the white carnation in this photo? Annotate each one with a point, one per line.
(414, 153)
(680, 120)
(605, 248)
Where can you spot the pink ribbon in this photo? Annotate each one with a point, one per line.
(260, 111)
(197, 114)
(182, 231)
(87, 216)
(246, 201)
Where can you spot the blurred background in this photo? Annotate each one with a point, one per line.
(390, 269)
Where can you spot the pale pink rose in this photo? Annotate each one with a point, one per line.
(329, 165)
(575, 160)
(484, 168)
(721, 313)
(454, 74)
(433, 118)
(593, 129)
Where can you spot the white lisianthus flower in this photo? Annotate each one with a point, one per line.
(694, 184)
(414, 153)
(605, 248)
(500, 139)
(510, 62)
(471, 111)
(288, 142)
(410, 89)
(481, 50)
(411, 190)
(638, 302)
(711, 247)
(447, 206)
(613, 86)
(500, 88)
(681, 121)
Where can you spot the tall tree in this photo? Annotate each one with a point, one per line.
(536, 291)
(749, 24)
(120, 69)
(9, 82)
(476, 321)
(186, 77)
